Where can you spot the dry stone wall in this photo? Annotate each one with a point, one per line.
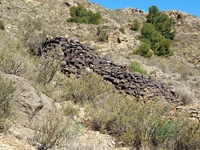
(77, 57)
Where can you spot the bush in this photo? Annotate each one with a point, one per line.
(144, 50)
(46, 70)
(50, 132)
(6, 94)
(31, 33)
(135, 123)
(2, 27)
(89, 87)
(81, 15)
(12, 63)
(70, 109)
(139, 124)
(121, 29)
(136, 25)
(162, 48)
(13, 55)
(135, 67)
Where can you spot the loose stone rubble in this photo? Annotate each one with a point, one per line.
(76, 57)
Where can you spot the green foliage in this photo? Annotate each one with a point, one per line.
(163, 25)
(6, 94)
(2, 27)
(153, 14)
(157, 33)
(144, 50)
(136, 67)
(161, 22)
(136, 25)
(81, 15)
(162, 48)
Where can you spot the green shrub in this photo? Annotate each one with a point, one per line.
(121, 29)
(136, 25)
(81, 15)
(6, 94)
(32, 34)
(2, 27)
(70, 109)
(91, 89)
(162, 48)
(134, 123)
(135, 67)
(102, 33)
(139, 124)
(144, 50)
(46, 70)
(50, 132)
(13, 55)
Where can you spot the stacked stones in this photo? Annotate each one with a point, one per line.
(76, 57)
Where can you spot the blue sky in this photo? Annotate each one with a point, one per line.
(189, 6)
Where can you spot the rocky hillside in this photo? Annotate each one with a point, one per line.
(30, 26)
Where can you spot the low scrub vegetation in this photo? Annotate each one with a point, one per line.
(135, 123)
(51, 132)
(157, 34)
(81, 15)
(6, 95)
(136, 67)
(93, 88)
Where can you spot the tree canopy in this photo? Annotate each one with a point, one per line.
(157, 33)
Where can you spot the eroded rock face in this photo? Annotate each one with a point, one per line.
(182, 18)
(29, 105)
(114, 37)
(78, 57)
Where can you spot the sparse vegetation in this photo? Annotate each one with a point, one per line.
(136, 124)
(13, 57)
(92, 89)
(51, 132)
(136, 25)
(46, 70)
(81, 15)
(6, 94)
(136, 67)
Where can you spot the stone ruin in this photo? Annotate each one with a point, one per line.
(77, 57)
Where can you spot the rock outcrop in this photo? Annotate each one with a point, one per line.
(77, 57)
